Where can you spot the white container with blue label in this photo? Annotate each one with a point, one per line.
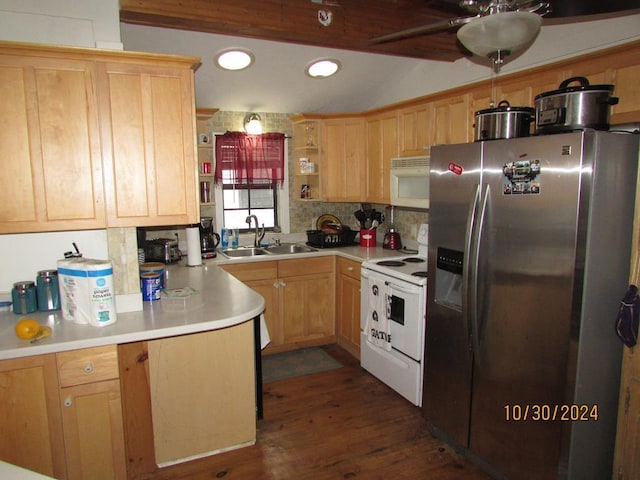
(87, 295)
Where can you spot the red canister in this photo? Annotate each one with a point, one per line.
(368, 237)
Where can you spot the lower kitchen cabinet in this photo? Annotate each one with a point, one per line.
(348, 305)
(31, 433)
(92, 413)
(299, 297)
(62, 416)
(263, 278)
(307, 300)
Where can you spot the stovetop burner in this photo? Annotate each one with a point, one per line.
(420, 273)
(390, 263)
(413, 260)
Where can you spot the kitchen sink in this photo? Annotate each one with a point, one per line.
(290, 248)
(244, 252)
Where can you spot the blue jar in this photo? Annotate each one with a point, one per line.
(224, 237)
(24, 299)
(48, 290)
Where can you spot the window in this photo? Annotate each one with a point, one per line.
(249, 175)
(241, 200)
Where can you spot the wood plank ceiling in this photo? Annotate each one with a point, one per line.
(353, 24)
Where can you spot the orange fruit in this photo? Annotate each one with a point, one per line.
(27, 328)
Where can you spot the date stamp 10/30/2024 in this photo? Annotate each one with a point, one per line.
(548, 412)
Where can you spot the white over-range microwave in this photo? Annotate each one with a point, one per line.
(409, 178)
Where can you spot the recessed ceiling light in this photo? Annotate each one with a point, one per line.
(323, 68)
(234, 59)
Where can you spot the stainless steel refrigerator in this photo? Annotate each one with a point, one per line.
(529, 252)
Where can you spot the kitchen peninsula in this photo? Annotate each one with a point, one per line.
(160, 385)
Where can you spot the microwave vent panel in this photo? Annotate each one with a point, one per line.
(410, 162)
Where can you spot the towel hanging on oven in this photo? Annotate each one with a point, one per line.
(628, 313)
(378, 326)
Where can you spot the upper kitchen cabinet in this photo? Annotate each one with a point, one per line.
(95, 138)
(416, 130)
(49, 143)
(343, 159)
(149, 149)
(451, 120)
(382, 146)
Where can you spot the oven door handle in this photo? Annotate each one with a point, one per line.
(404, 289)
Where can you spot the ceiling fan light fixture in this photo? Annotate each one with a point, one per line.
(323, 68)
(499, 34)
(234, 59)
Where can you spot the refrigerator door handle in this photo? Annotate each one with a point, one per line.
(468, 296)
(473, 275)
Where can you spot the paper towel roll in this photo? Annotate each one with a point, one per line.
(194, 257)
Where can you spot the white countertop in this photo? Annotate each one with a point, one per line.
(12, 472)
(223, 301)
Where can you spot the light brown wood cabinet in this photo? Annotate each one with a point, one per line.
(97, 139)
(307, 300)
(62, 414)
(382, 146)
(31, 434)
(343, 159)
(348, 305)
(263, 278)
(92, 413)
(149, 149)
(416, 130)
(49, 145)
(451, 120)
(299, 296)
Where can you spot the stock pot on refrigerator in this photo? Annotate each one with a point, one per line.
(574, 107)
(503, 122)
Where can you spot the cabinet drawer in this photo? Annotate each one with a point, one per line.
(350, 268)
(89, 365)
(252, 271)
(306, 266)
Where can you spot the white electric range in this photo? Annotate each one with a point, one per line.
(393, 317)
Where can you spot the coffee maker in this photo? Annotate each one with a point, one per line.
(209, 239)
(392, 237)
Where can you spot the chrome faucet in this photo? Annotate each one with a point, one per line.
(259, 232)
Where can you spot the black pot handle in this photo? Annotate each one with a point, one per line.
(504, 103)
(607, 101)
(584, 82)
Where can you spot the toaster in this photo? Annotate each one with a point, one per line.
(163, 250)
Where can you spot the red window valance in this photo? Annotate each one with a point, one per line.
(248, 159)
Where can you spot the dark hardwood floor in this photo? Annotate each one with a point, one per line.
(341, 424)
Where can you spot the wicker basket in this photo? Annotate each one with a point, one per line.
(320, 239)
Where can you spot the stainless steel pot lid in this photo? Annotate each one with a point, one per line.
(583, 87)
(504, 107)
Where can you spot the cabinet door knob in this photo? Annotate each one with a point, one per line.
(276, 284)
(88, 368)
(282, 284)
(350, 269)
(68, 402)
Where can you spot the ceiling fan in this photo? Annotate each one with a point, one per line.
(497, 28)
(493, 28)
